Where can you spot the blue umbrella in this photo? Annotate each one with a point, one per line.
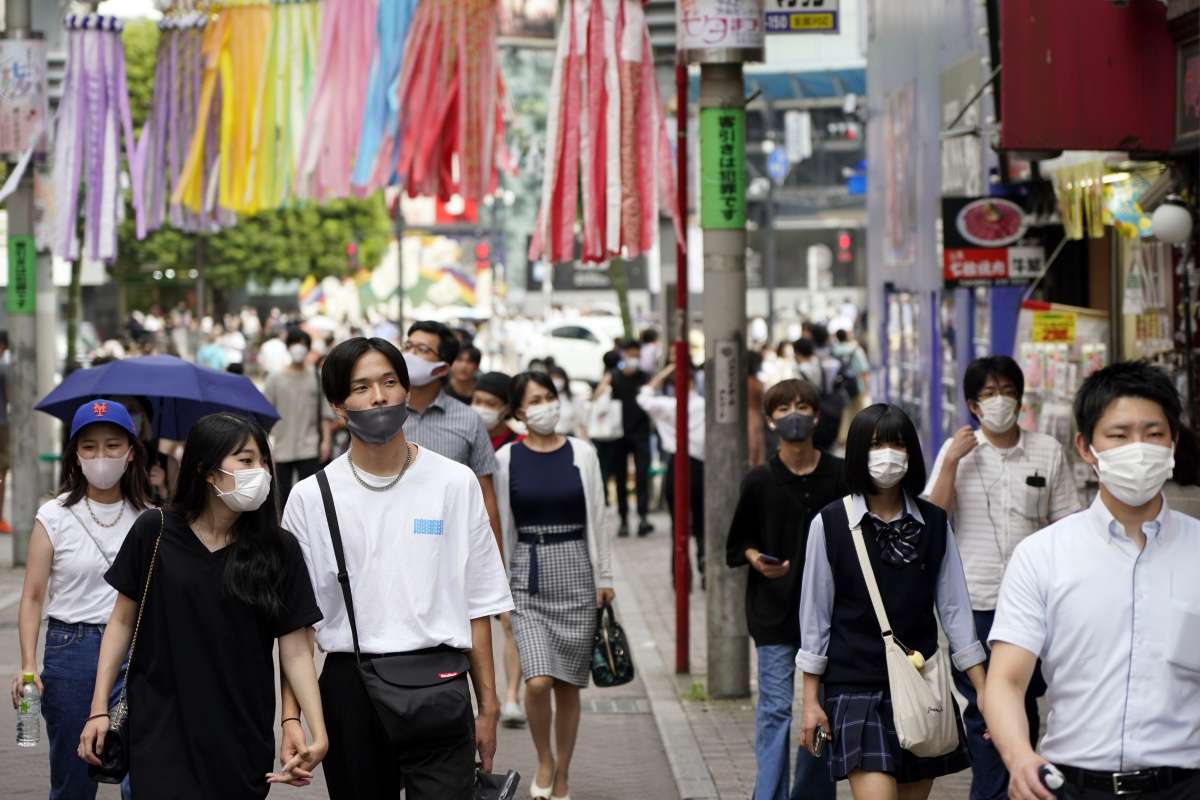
(179, 392)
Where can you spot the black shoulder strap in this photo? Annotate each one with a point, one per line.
(335, 533)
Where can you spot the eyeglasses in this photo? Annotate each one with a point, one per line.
(417, 347)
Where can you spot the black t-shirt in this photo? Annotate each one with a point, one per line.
(773, 515)
(202, 681)
(625, 388)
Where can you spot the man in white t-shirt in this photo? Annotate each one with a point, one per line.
(425, 575)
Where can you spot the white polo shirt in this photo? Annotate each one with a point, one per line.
(1118, 632)
(995, 507)
(421, 556)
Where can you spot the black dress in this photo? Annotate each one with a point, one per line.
(202, 683)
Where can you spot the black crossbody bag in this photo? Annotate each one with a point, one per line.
(421, 697)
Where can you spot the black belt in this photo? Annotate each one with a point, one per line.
(544, 538)
(1127, 783)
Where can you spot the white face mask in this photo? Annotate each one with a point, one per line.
(298, 352)
(998, 413)
(104, 473)
(250, 490)
(490, 416)
(1135, 473)
(559, 384)
(887, 466)
(420, 371)
(542, 419)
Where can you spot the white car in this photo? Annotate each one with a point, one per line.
(578, 345)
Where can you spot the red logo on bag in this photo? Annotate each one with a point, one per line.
(99, 409)
(444, 675)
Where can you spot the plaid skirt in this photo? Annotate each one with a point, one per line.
(555, 628)
(864, 737)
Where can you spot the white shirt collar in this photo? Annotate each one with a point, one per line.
(1110, 525)
(859, 503)
(1019, 447)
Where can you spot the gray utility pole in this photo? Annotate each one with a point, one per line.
(723, 196)
(22, 383)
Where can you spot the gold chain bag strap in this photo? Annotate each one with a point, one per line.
(114, 761)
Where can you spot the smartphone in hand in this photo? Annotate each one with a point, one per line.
(766, 559)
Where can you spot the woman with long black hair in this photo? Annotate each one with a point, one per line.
(227, 582)
(913, 556)
(75, 538)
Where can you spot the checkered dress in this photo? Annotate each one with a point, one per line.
(864, 737)
(554, 628)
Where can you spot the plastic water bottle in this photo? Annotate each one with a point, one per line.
(29, 712)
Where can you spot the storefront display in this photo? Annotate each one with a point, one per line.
(907, 377)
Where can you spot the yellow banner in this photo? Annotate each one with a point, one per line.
(1054, 327)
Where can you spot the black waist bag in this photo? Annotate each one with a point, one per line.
(420, 697)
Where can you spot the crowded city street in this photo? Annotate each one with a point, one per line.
(600, 399)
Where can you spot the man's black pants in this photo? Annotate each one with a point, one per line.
(289, 473)
(639, 448)
(362, 764)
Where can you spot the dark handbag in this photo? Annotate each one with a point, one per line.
(612, 661)
(419, 697)
(114, 758)
(491, 786)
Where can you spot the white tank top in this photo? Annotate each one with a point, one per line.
(78, 591)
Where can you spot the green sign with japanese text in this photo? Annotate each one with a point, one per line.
(722, 168)
(22, 275)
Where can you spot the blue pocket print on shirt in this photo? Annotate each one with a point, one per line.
(427, 527)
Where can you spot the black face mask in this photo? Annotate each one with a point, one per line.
(795, 427)
(377, 425)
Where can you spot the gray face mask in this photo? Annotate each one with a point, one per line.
(377, 425)
(795, 427)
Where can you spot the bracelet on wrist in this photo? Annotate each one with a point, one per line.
(286, 720)
(95, 716)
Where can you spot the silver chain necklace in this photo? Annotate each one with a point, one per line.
(120, 513)
(392, 482)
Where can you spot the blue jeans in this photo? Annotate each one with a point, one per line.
(773, 722)
(68, 677)
(989, 778)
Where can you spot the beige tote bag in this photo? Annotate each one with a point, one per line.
(922, 702)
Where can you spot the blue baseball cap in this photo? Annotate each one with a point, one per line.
(101, 410)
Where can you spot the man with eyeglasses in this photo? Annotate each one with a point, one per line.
(999, 484)
(436, 420)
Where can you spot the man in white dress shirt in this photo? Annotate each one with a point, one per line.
(1110, 600)
(999, 484)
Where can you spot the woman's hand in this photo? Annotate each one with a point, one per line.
(814, 717)
(91, 741)
(605, 597)
(19, 679)
(298, 758)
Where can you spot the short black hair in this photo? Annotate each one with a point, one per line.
(649, 336)
(804, 347)
(842, 335)
(516, 391)
(631, 344)
(979, 370)
(448, 344)
(784, 392)
(1125, 379)
(338, 368)
(472, 354)
(882, 424)
(297, 336)
(611, 359)
(820, 335)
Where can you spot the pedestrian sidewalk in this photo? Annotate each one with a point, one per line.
(709, 743)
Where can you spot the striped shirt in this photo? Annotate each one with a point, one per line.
(451, 429)
(995, 506)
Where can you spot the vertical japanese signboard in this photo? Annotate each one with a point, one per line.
(722, 168)
(23, 103)
(22, 275)
(709, 27)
